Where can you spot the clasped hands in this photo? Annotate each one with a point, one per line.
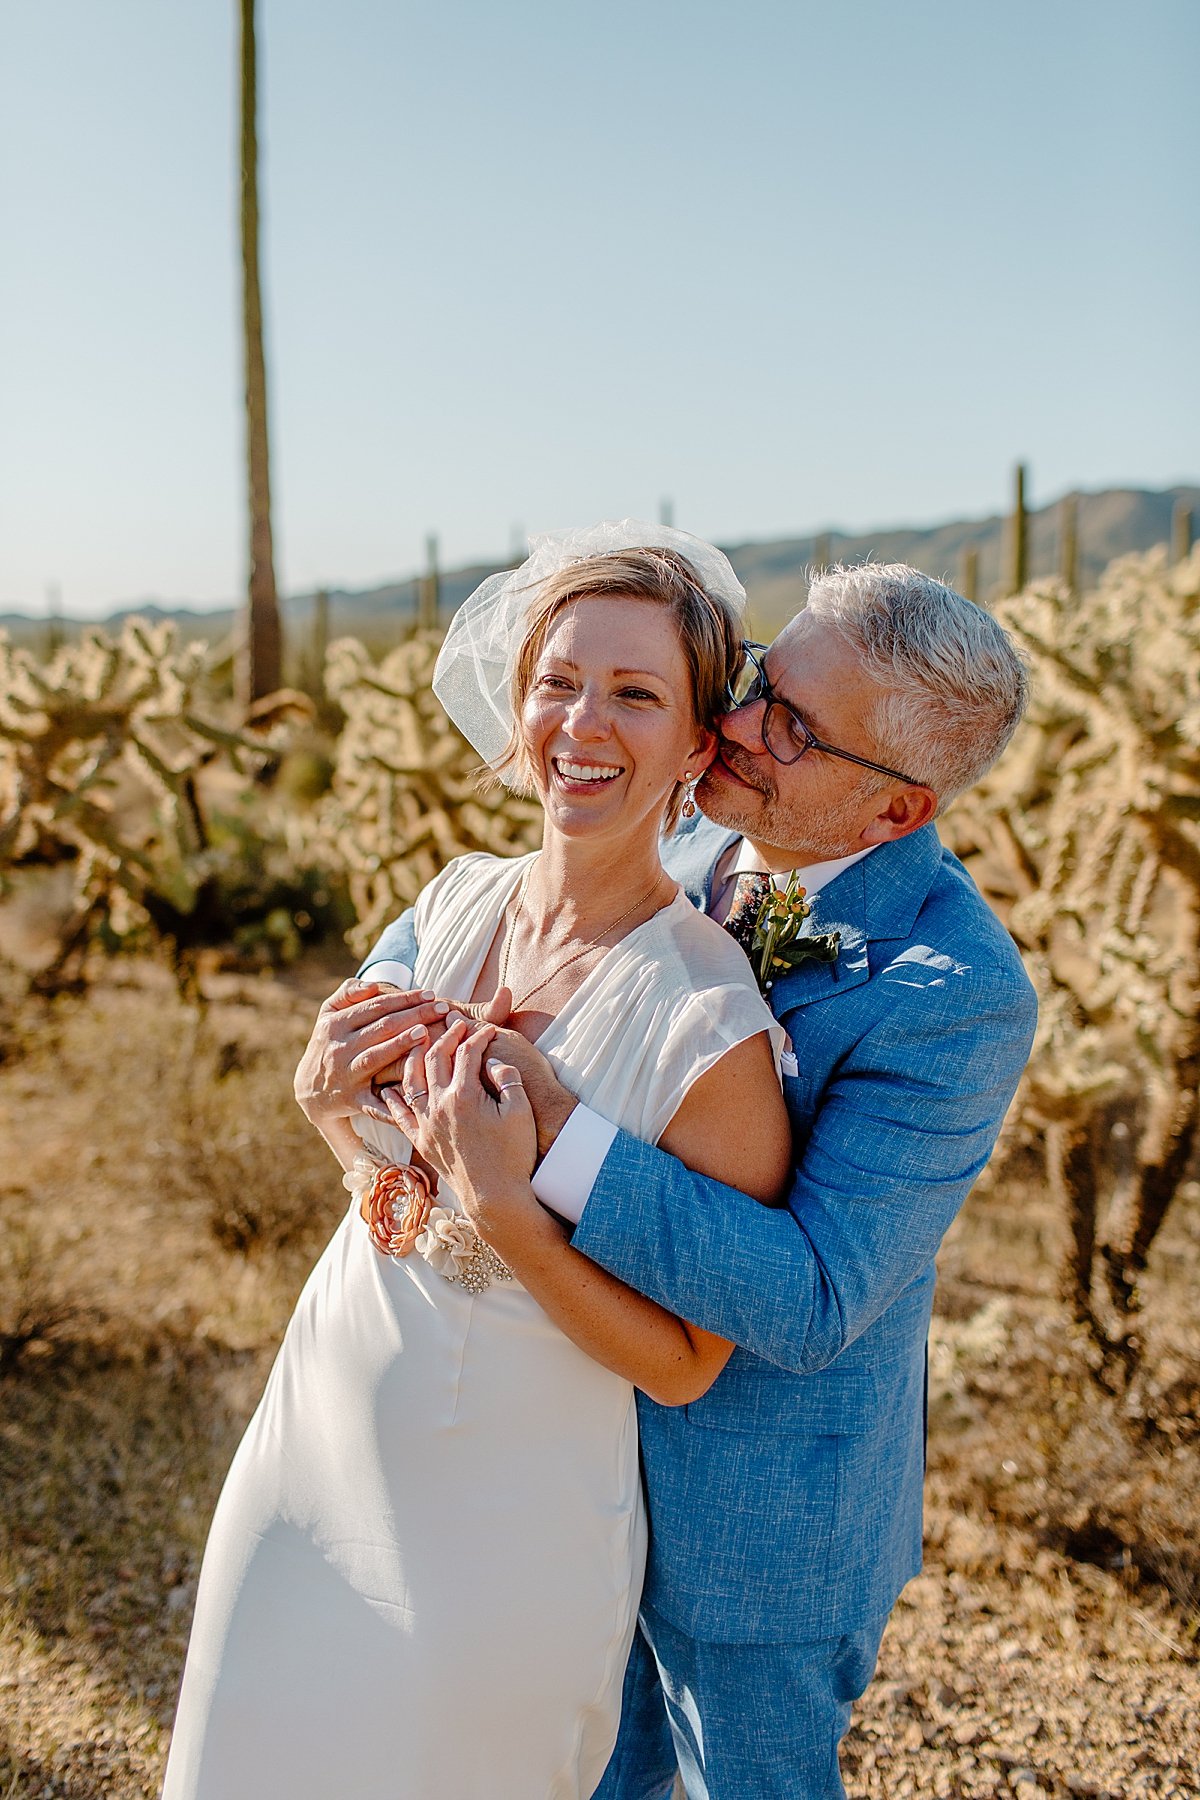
(477, 1101)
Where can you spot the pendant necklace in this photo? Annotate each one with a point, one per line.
(575, 955)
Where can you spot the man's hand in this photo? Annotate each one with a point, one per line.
(359, 1030)
(552, 1103)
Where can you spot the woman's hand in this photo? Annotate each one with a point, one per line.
(359, 1031)
(468, 1117)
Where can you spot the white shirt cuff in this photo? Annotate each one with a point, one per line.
(397, 973)
(568, 1172)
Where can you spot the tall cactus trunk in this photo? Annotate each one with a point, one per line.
(1018, 542)
(429, 589)
(320, 641)
(262, 646)
(1068, 543)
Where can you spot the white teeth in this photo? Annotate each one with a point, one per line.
(584, 771)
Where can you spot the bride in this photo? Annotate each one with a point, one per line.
(423, 1572)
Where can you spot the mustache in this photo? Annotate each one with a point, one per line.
(744, 767)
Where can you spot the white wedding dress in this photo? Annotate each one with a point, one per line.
(423, 1573)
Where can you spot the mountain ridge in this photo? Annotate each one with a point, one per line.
(1111, 522)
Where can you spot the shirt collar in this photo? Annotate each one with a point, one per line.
(812, 878)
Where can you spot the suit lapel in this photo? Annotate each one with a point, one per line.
(876, 898)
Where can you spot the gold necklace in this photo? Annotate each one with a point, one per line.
(517, 1005)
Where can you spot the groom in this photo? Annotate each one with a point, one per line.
(785, 1505)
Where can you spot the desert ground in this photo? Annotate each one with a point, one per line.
(162, 1201)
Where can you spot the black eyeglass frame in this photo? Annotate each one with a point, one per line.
(761, 689)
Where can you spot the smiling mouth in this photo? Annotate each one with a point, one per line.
(581, 774)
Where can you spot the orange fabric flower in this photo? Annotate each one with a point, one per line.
(395, 1207)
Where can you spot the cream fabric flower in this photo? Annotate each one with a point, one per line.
(447, 1239)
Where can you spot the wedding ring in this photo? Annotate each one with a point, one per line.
(417, 1094)
(505, 1085)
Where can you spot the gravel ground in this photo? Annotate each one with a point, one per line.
(1010, 1668)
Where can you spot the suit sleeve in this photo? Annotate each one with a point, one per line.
(397, 943)
(907, 1122)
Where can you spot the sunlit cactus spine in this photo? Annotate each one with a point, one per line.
(1087, 838)
(406, 797)
(102, 750)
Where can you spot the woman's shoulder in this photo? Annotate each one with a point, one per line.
(706, 949)
(467, 879)
(682, 999)
(698, 972)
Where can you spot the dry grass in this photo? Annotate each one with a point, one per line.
(162, 1201)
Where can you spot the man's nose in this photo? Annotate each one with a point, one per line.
(744, 727)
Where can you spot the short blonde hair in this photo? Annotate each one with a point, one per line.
(709, 635)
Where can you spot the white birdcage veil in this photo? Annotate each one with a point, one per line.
(473, 676)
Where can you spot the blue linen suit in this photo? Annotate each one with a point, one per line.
(785, 1504)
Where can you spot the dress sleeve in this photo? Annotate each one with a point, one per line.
(711, 1022)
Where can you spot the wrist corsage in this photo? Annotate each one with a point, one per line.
(766, 922)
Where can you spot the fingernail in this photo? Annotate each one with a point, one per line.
(441, 1009)
(427, 994)
(454, 1019)
(417, 1033)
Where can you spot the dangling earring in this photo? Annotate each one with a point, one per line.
(688, 809)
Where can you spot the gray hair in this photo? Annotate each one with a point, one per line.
(954, 683)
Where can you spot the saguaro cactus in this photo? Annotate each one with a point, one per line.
(429, 591)
(1068, 542)
(1018, 535)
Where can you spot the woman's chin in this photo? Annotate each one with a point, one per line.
(597, 815)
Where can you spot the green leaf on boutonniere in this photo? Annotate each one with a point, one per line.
(821, 947)
(768, 927)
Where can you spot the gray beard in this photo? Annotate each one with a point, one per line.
(816, 834)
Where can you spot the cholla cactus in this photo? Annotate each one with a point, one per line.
(100, 753)
(405, 795)
(1087, 834)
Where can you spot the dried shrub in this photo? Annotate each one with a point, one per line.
(34, 1310)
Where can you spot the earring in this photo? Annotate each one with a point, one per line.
(688, 809)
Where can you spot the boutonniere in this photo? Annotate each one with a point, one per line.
(766, 922)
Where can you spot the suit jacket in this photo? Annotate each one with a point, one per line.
(785, 1504)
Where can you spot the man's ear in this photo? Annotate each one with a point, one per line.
(905, 809)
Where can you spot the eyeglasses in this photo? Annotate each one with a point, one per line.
(784, 732)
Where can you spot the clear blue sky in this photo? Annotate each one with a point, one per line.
(791, 264)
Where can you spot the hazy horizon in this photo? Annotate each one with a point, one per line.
(396, 577)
